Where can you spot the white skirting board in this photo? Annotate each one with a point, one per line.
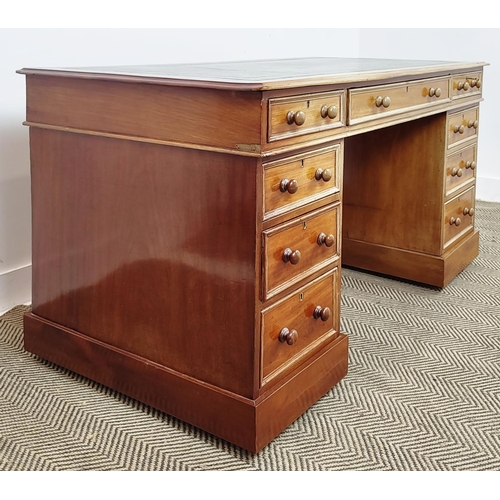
(15, 288)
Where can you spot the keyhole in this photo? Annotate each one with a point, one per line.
(304, 225)
(301, 297)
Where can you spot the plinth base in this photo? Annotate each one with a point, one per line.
(250, 424)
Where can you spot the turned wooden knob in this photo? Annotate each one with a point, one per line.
(476, 83)
(320, 174)
(456, 221)
(470, 164)
(288, 336)
(460, 129)
(473, 123)
(329, 111)
(327, 240)
(291, 186)
(292, 256)
(297, 117)
(383, 101)
(469, 211)
(456, 171)
(463, 86)
(435, 92)
(321, 312)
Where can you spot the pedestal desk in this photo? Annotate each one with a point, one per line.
(189, 221)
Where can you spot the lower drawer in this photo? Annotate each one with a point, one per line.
(458, 216)
(298, 325)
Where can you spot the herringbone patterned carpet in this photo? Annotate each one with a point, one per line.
(422, 393)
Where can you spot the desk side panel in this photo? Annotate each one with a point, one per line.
(205, 118)
(150, 249)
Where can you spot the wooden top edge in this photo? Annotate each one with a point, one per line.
(263, 74)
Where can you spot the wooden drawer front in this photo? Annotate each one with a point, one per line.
(374, 102)
(292, 251)
(460, 168)
(466, 84)
(286, 114)
(308, 177)
(295, 326)
(457, 216)
(462, 126)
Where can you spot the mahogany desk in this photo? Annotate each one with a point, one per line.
(189, 221)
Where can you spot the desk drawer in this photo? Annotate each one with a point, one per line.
(375, 102)
(466, 84)
(296, 249)
(298, 115)
(296, 325)
(462, 126)
(460, 168)
(296, 181)
(458, 216)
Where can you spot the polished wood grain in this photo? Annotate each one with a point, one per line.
(461, 168)
(458, 256)
(382, 120)
(393, 186)
(128, 250)
(208, 407)
(462, 126)
(301, 390)
(294, 116)
(466, 84)
(245, 422)
(211, 118)
(369, 103)
(296, 312)
(459, 216)
(435, 270)
(298, 236)
(303, 169)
